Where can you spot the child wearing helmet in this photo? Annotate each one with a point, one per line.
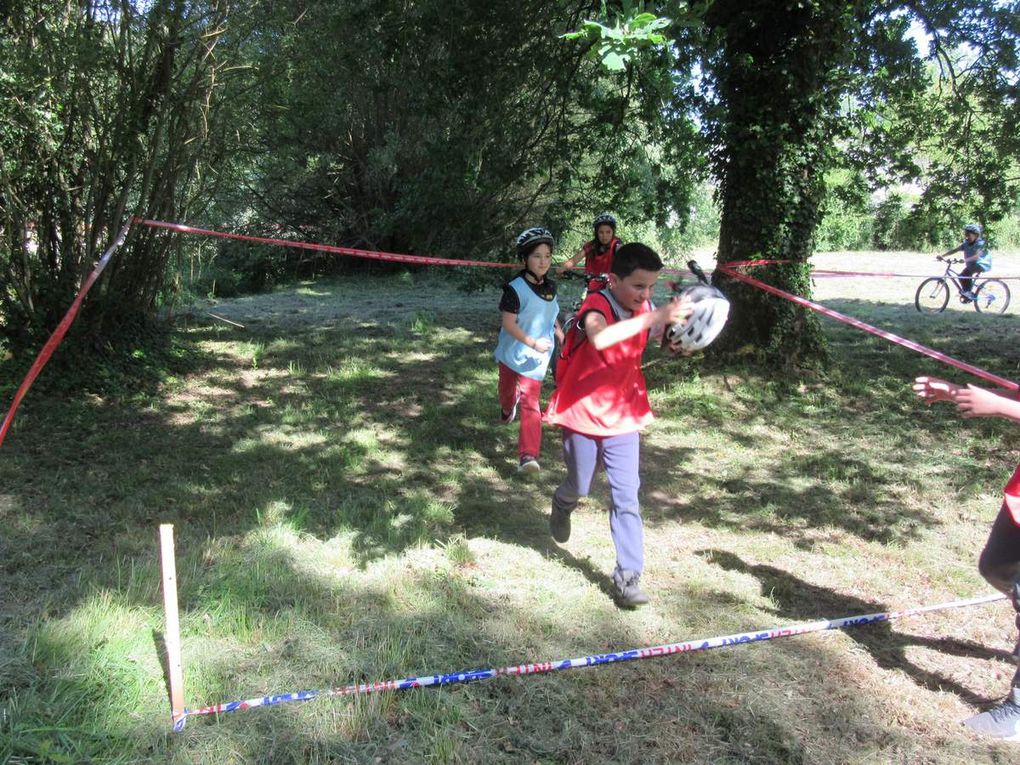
(597, 253)
(999, 563)
(530, 321)
(601, 405)
(976, 258)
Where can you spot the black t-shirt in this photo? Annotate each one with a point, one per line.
(511, 303)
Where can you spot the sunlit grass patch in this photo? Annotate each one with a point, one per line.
(354, 369)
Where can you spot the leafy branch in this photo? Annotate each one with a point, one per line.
(616, 42)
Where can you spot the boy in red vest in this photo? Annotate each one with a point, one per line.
(601, 404)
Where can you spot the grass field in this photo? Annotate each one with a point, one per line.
(346, 510)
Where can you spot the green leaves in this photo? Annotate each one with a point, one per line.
(616, 43)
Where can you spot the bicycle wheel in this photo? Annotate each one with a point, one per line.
(992, 296)
(932, 296)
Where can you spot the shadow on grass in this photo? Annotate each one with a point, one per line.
(709, 711)
(387, 431)
(799, 600)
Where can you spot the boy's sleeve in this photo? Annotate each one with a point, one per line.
(510, 302)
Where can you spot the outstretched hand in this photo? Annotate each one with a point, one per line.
(970, 400)
(932, 389)
(676, 310)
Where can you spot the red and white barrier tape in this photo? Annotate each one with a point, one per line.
(61, 330)
(369, 254)
(729, 270)
(815, 272)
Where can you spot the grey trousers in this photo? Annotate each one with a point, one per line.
(620, 456)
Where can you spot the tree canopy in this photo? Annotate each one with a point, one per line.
(443, 128)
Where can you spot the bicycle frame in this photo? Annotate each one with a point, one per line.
(954, 276)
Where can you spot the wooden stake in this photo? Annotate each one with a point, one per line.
(172, 637)
(228, 321)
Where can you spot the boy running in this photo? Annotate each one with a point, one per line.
(601, 405)
(999, 563)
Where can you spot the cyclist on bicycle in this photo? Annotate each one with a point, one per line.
(976, 259)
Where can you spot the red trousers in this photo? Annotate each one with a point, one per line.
(526, 391)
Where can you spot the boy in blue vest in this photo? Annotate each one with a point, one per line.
(976, 258)
(530, 321)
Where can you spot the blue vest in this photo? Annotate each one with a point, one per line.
(985, 261)
(537, 318)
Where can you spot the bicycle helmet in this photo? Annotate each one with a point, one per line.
(711, 309)
(604, 219)
(530, 238)
(972, 228)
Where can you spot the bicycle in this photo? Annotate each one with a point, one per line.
(991, 295)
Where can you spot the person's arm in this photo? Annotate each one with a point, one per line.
(973, 401)
(950, 252)
(978, 252)
(558, 331)
(603, 335)
(970, 400)
(569, 263)
(512, 328)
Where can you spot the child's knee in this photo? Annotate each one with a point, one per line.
(1000, 575)
(632, 509)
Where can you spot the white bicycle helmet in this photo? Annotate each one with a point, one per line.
(711, 309)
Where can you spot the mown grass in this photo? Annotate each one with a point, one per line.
(346, 509)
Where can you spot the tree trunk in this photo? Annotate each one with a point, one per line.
(775, 79)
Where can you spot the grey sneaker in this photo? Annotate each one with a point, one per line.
(529, 465)
(559, 523)
(1002, 721)
(628, 589)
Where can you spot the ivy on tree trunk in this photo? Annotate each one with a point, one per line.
(776, 79)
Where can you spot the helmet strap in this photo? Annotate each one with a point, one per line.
(533, 275)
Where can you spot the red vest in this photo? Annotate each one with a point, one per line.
(1011, 494)
(602, 393)
(594, 263)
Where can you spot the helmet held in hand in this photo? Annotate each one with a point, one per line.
(711, 309)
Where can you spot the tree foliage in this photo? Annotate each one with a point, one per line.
(797, 88)
(385, 125)
(443, 128)
(106, 110)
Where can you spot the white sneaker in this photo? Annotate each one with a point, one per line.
(1001, 721)
(529, 465)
